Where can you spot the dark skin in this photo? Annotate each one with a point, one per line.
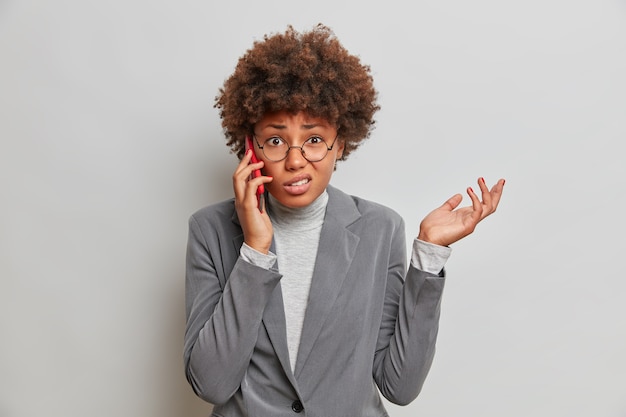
(443, 226)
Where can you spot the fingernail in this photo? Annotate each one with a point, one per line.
(471, 190)
(482, 179)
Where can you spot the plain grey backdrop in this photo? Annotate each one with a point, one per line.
(109, 141)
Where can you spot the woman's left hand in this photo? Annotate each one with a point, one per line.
(445, 225)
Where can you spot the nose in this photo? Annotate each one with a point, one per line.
(295, 160)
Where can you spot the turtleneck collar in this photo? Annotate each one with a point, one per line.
(301, 218)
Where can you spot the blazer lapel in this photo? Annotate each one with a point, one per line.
(276, 327)
(334, 256)
(273, 316)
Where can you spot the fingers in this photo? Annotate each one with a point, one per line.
(450, 223)
(245, 168)
(244, 185)
(487, 200)
(253, 217)
(496, 193)
(491, 198)
(477, 206)
(453, 202)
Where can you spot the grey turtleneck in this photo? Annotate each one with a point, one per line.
(296, 235)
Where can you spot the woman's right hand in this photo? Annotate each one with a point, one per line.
(256, 224)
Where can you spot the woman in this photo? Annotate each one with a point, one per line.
(305, 304)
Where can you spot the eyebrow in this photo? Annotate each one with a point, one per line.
(304, 126)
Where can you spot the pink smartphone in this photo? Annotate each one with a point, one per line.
(260, 191)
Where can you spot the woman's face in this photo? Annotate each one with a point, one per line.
(296, 181)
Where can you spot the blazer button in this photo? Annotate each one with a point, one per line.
(297, 406)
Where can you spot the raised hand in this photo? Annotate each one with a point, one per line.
(255, 223)
(445, 225)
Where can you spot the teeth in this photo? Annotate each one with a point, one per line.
(301, 182)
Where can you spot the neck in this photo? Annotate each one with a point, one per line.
(301, 217)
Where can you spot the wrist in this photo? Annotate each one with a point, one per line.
(427, 239)
(261, 247)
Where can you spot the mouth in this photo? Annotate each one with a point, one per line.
(299, 182)
(298, 185)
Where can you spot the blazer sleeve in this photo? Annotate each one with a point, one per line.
(408, 332)
(223, 315)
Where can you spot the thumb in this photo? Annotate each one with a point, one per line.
(452, 202)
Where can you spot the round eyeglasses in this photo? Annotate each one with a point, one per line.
(314, 149)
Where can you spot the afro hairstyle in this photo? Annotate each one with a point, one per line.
(299, 72)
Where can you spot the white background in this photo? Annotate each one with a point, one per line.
(109, 141)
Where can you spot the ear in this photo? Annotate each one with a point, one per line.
(340, 146)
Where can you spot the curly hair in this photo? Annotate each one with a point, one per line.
(294, 72)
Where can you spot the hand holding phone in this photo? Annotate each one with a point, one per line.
(260, 191)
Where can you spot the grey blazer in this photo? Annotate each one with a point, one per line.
(370, 324)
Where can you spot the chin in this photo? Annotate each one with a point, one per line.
(292, 201)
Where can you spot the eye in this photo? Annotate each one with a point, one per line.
(315, 140)
(274, 141)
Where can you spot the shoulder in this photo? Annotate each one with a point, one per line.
(225, 207)
(372, 208)
(213, 216)
(367, 210)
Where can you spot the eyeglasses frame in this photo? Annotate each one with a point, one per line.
(328, 148)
